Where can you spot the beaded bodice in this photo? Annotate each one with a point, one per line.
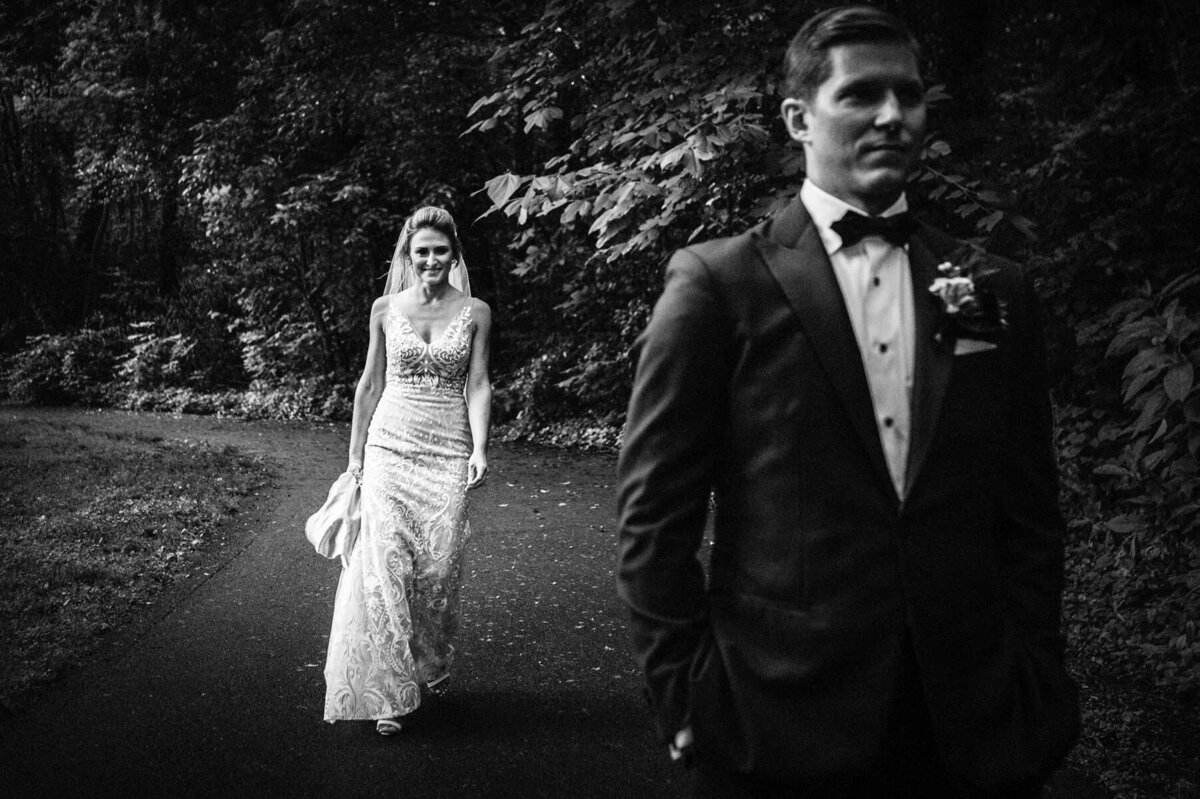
(439, 366)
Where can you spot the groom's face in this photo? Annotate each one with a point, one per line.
(862, 129)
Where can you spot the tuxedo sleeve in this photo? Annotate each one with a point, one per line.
(665, 474)
(1032, 540)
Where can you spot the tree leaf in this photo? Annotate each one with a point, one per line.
(484, 101)
(1023, 225)
(1140, 382)
(936, 94)
(1147, 360)
(1133, 335)
(1151, 462)
(542, 117)
(990, 221)
(672, 156)
(1162, 428)
(571, 211)
(1125, 523)
(1191, 410)
(501, 187)
(1150, 412)
(1178, 382)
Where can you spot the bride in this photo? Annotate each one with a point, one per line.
(418, 441)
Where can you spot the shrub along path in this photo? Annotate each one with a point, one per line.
(220, 693)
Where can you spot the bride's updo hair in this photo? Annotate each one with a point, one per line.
(402, 273)
(433, 218)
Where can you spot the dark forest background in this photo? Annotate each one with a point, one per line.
(199, 200)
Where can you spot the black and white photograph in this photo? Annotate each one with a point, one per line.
(574, 399)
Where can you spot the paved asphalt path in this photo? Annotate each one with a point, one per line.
(218, 692)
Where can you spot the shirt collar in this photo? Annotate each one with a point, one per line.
(825, 209)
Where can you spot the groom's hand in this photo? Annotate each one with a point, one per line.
(681, 747)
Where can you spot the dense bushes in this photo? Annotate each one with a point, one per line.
(1106, 169)
(64, 369)
(136, 369)
(1138, 547)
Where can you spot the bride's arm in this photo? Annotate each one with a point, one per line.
(479, 393)
(370, 385)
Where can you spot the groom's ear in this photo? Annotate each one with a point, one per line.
(794, 111)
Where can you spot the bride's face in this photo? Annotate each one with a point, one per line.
(432, 256)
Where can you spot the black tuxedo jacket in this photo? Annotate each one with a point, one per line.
(785, 659)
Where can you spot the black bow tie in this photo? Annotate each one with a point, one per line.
(854, 227)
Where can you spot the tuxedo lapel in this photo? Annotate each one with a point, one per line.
(933, 359)
(792, 250)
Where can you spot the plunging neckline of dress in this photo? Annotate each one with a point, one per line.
(433, 339)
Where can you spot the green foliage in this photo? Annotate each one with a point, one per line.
(662, 121)
(1145, 558)
(139, 368)
(315, 398)
(648, 126)
(256, 156)
(98, 122)
(1163, 439)
(1097, 148)
(1131, 604)
(156, 360)
(967, 204)
(1134, 592)
(576, 433)
(64, 369)
(341, 128)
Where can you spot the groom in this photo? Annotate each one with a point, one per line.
(867, 401)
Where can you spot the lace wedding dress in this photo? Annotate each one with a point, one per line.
(397, 599)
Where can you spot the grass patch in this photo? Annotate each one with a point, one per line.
(93, 526)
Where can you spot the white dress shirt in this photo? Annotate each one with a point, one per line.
(877, 287)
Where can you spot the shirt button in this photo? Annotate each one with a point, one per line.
(883, 348)
(875, 280)
(887, 421)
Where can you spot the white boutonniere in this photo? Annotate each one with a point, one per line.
(967, 304)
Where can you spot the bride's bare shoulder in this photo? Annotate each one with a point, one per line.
(381, 307)
(481, 314)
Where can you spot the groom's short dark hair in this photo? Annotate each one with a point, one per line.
(806, 64)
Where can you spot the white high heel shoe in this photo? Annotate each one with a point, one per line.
(388, 726)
